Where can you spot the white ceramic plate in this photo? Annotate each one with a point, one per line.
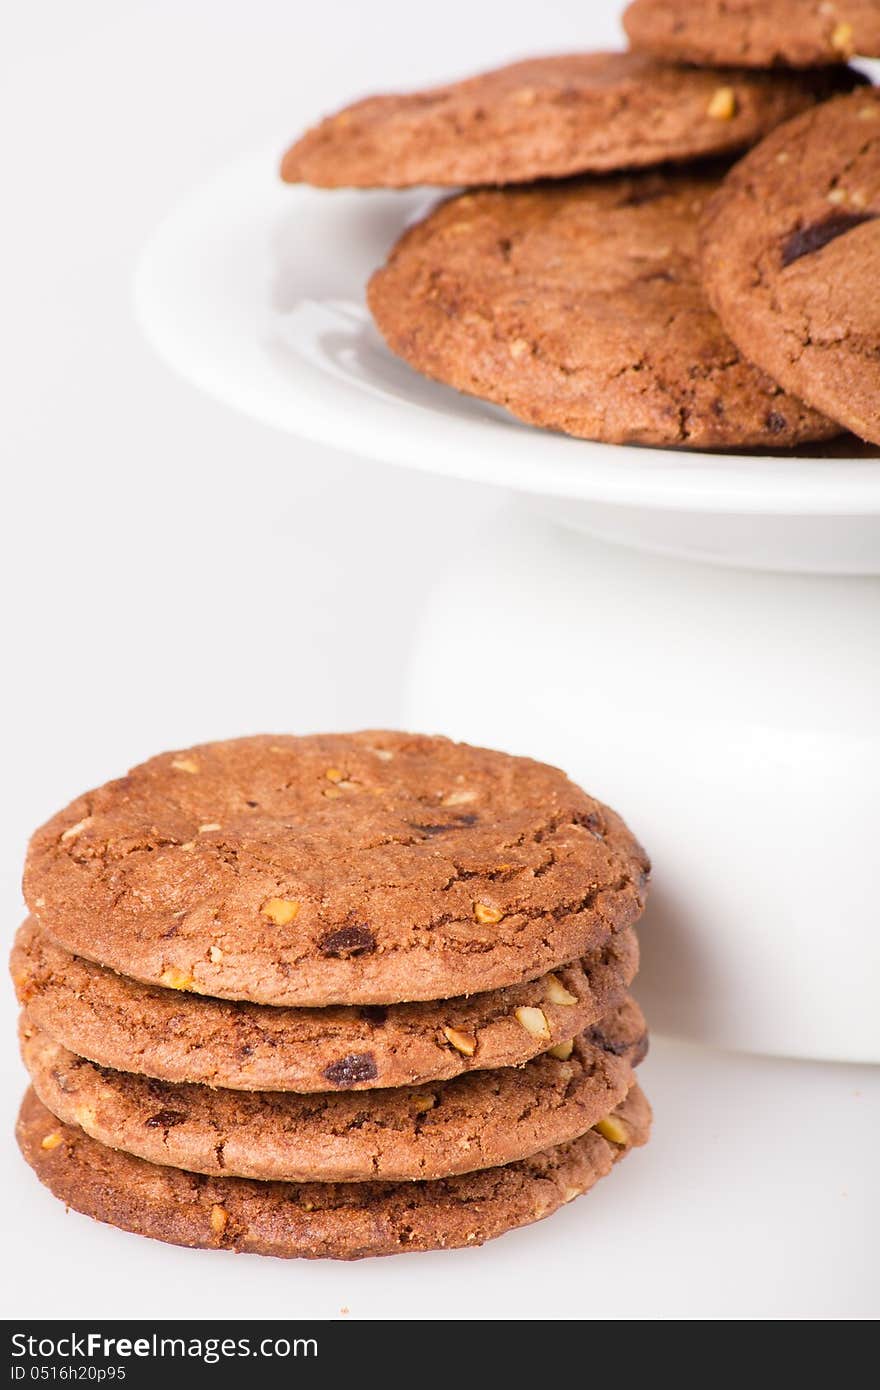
(254, 292)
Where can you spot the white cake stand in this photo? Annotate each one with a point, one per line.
(714, 671)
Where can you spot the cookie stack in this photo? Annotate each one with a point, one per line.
(339, 995)
(651, 299)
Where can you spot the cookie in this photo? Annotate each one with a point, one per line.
(313, 1220)
(579, 308)
(791, 258)
(755, 33)
(145, 1028)
(476, 1121)
(546, 118)
(369, 868)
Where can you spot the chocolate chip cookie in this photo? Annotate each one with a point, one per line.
(313, 1220)
(791, 258)
(549, 117)
(161, 1033)
(369, 868)
(755, 33)
(476, 1121)
(579, 307)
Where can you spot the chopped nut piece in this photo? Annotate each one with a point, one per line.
(562, 1051)
(842, 38)
(570, 1193)
(382, 753)
(486, 914)
(424, 1103)
(331, 792)
(459, 798)
(219, 1219)
(722, 107)
(23, 989)
(534, 1021)
(190, 844)
(215, 954)
(51, 1141)
(184, 764)
(518, 348)
(72, 831)
(173, 978)
(84, 1116)
(334, 775)
(557, 993)
(837, 195)
(39, 902)
(612, 1129)
(461, 1041)
(281, 911)
(307, 1205)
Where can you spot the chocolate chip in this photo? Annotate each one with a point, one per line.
(347, 941)
(588, 820)
(376, 1014)
(804, 241)
(616, 1049)
(348, 1071)
(165, 1119)
(775, 422)
(460, 822)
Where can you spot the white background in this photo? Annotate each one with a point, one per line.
(174, 573)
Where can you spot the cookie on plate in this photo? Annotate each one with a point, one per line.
(579, 307)
(368, 868)
(549, 117)
(313, 1220)
(476, 1121)
(791, 258)
(755, 33)
(254, 1047)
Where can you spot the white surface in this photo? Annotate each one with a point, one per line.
(254, 292)
(734, 716)
(172, 571)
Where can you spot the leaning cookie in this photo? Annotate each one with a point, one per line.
(475, 1121)
(368, 868)
(755, 33)
(579, 307)
(159, 1032)
(550, 117)
(791, 258)
(314, 1220)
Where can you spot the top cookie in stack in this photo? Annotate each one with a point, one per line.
(313, 969)
(580, 305)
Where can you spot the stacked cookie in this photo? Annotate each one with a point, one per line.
(340, 995)
(688, 305)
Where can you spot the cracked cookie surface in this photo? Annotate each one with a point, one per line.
(548, 117)
(759, 33)
(367, 868)
(475, 1121)
(791, 258)
(579, 307)
(314, 1220)
(120, 1023)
